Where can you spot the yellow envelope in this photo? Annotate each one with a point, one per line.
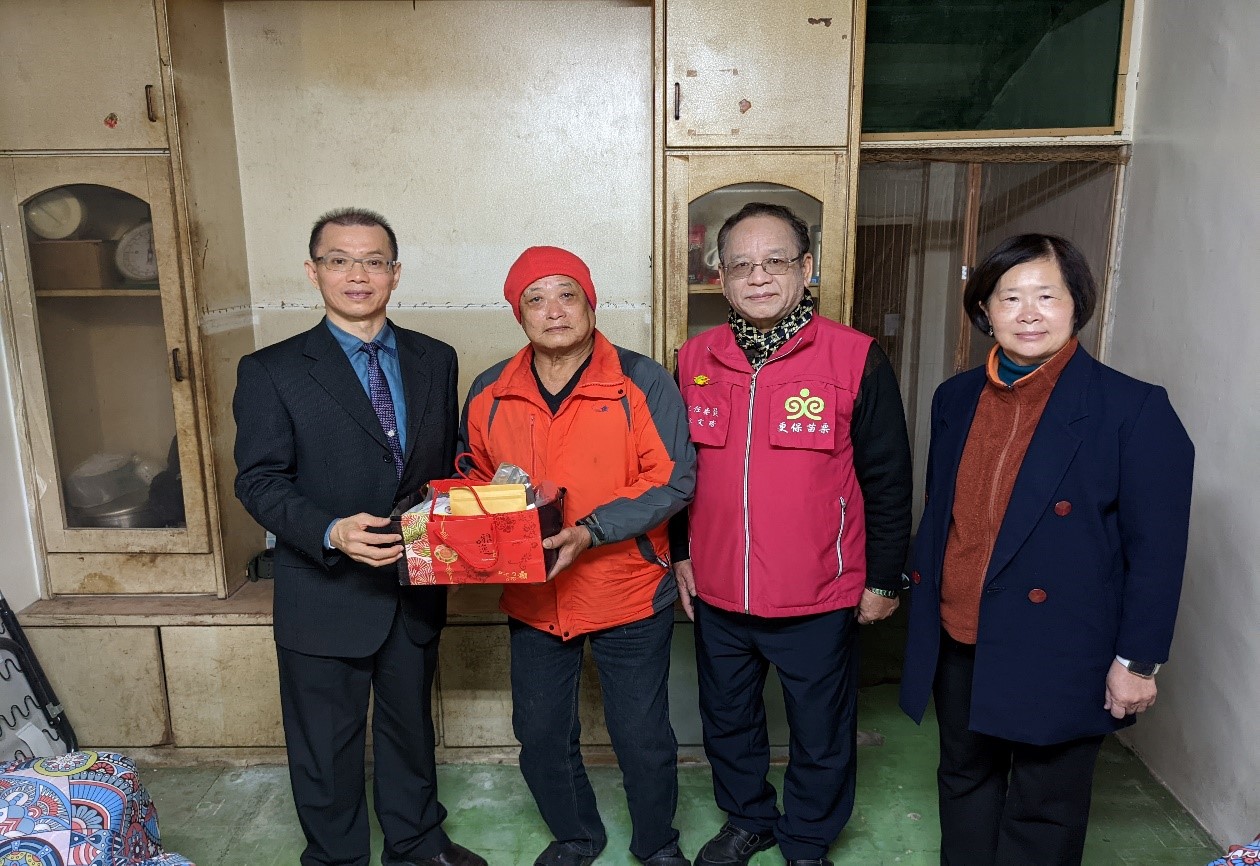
(495, 499)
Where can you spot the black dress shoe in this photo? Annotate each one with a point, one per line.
(563, 854)
(453, 855)
(733, 847)
(672, 857)
(818, 861)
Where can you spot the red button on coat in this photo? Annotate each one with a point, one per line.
(914, 576)
(1036, 596)
(1063, 508)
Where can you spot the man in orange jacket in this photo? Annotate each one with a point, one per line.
(609, 425)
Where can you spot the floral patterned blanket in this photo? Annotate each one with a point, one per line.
(1241, 855)
(85, 808)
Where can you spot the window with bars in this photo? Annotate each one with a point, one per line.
(924, 223)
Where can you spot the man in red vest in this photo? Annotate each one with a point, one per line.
(798, 532)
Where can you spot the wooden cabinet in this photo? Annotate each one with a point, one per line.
(80, 75)
(99, 320)
(121, 386)
(746, 73)
(758, 106)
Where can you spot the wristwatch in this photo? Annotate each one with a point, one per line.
(1145, 670)
(891, 593)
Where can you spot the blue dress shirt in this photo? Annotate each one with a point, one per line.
(353, 347)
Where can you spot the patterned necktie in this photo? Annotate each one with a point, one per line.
(383, 402)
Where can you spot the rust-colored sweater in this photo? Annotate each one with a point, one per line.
(1006, 417)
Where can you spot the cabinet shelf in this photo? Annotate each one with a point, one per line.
(150, 292)
(704, 288)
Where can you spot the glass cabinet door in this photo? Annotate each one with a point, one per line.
(706, 306)
(103, 357)
(704, 189)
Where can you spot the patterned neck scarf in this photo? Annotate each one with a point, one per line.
(760, 346)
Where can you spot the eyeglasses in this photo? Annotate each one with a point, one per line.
(372, 264)
(775, 267)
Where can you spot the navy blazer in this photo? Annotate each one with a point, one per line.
(310, 449)
(1087, 563)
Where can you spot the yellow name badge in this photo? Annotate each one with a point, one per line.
(495, 499)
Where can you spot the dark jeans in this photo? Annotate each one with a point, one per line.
(1005, 803)
(633, 664)
(816, 658)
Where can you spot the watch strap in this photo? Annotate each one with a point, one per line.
(883, 593)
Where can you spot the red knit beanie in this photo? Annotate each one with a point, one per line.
(538, 262)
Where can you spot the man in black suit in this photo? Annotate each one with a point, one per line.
(333, 427)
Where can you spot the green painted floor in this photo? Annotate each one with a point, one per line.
(244, 817)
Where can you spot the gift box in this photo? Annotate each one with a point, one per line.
(488, 499)
(80, 264)
(488, 547)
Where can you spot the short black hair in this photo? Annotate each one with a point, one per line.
(761, 208)
(353, 216)
(1034, 247)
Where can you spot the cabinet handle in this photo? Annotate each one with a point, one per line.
(677, 100)
(176, 366)
(149, 107)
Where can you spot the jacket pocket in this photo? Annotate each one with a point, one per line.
(708, 412)
(803, 415)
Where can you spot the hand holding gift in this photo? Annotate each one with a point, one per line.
(568, 545)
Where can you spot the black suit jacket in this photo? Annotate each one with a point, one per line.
(309, 449)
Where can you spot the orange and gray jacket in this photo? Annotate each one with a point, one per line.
(619, 445)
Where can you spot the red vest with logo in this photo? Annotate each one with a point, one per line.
(778, 523)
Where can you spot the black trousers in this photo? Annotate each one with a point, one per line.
(1005, 803)
(816, 658)
(324, 705)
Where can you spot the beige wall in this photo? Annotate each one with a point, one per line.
(1187, 313)
(476, 128)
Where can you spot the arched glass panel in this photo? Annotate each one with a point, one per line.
(96, 282)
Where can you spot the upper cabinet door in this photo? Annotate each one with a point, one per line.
(80, 75)
(757, 74)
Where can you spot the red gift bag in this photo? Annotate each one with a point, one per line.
(445, 549)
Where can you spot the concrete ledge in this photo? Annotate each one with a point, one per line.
(249, 605)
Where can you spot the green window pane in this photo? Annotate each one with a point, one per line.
(946, 65)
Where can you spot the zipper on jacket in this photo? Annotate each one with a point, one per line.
(533, 448)
(844, 506)
(752, 399)
(752, 395)
(997, 477)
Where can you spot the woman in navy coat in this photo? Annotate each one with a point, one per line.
(1048, 563)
